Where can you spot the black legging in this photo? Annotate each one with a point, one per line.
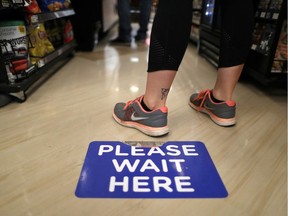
(172, 26)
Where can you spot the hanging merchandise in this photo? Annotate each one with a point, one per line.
(14, 47)
(39, 45)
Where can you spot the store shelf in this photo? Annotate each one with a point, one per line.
(5, 4)
(49, 63)
(14, 84)
(43, 17)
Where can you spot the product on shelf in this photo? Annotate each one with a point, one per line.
(68, 32)
(257, 35)
(39, 45)
(53, 5)
(277, 67)
(281, 51)
(274, 9)
(32, 7)
(197, 4)
(262, 8)
(266, 39)
(14, 47)
(55, 29)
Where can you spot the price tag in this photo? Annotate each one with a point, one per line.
(34, 19)
(275, 16)
(262, 15)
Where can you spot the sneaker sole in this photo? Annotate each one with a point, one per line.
(150, 131)
(214, 118)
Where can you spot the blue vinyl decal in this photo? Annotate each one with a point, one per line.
(181, 169)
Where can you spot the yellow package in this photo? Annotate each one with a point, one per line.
(39, 45)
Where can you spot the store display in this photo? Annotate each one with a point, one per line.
(29, 51)
(262, 8)
(281, 50)
(273, 10)
(267, 60)
(263, 37)
(14, 48)
(280, 58)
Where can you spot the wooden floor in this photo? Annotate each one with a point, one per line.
(44, 140)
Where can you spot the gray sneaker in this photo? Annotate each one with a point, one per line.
(222, 113)
(131, 114)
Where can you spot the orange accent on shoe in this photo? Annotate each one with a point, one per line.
(164, 109)
(230, 103)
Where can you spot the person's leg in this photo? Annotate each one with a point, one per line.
(157, 88)
(169, 39)
(236, 34)
(226, 82)
(144, 17)
(124, 29)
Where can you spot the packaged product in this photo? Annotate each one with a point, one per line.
(51, 5)
(39, 45)
(67, 4)
(32, 7)
(14, 47)
(68, 32)
(55, 29)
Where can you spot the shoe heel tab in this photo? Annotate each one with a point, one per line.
(231, 103)
(164, 109)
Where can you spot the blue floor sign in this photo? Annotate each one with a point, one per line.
(173, 170)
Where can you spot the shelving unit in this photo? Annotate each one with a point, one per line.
(263, 63)
(44, 67)
(209, 39)
(196, 21)
(267, 60)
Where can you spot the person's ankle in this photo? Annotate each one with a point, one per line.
(217, 96)
(151, 105)
(144, 106)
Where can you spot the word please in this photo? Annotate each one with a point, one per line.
(171, 150)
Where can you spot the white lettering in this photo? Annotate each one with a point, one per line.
(149, 164)
(124, 184)
(177, 164)
(181, 182)
(138, 182)
(164, 165)
(162, 182)
(172, 151)
(187, 149)
(135, 151)
(104, 149)
(125, 163)
(155, 150)
(118, 152)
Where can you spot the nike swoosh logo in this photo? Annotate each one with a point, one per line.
(135, 118)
